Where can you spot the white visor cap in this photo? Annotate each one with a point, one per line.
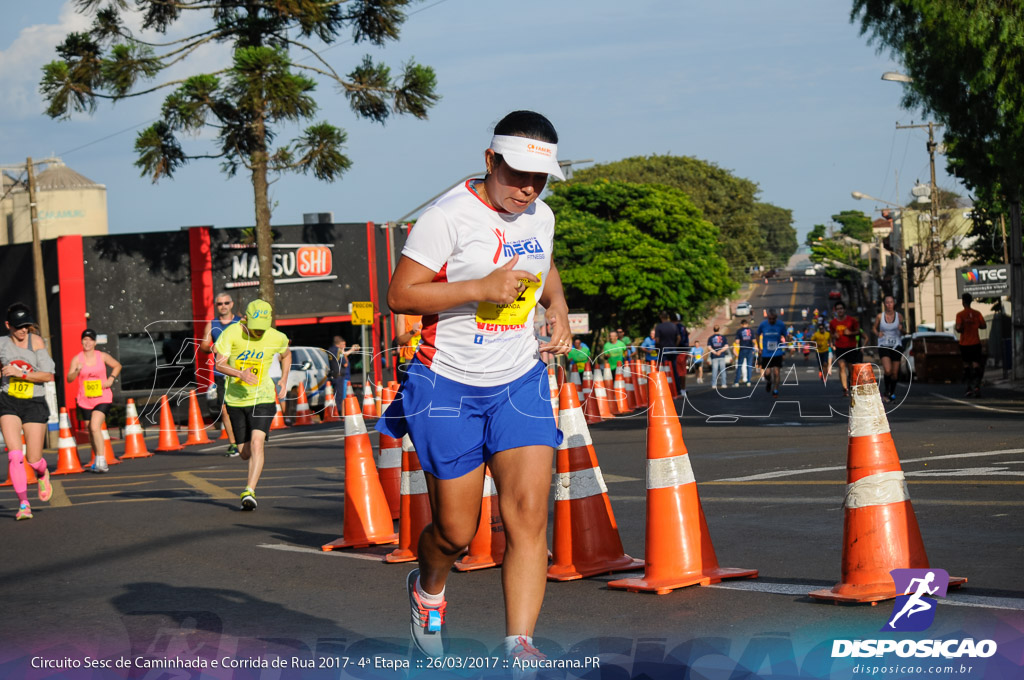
(528, 155)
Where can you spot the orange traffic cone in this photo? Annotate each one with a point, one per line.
(621, 402)
(587, 539)
(134, 436)
(553, 387)
(389, 463)
(168, 431)
(378, 399)
(597, 406)
(415, 511)
(330, 412)
(369, 405)
(367, 519)
(196, 424)
(667, 370)
(67, 449)
(880, 531)
(487, 549)
(629, 387)
(303, 416)
(278, 422)
(588, 381)
(640, 384)
(223, 435)
(679, 549)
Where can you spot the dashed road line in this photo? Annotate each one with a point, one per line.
(336, 553)
(59, 499)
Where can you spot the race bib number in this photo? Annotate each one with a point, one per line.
(771, 345)
(254, 366)
(21, 389)
(887, 341)
(516, 313)
(93, 388)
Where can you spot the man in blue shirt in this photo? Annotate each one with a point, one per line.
(718, 349)
(745, 360)
(772, 335)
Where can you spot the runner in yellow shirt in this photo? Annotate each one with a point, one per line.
(821, 338)
(245, 352)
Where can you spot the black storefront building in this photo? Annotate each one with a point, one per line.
(151, 295)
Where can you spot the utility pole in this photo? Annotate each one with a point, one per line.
(936, 246)
(37, 257)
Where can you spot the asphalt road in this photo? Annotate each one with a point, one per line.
(155, 559)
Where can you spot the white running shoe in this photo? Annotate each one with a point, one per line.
(429, 632)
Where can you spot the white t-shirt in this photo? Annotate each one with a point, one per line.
(462, 238)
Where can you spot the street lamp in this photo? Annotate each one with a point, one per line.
(897, 227)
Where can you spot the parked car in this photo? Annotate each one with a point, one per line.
(835, 294)
(743, 309)
(810, 271)
(310, 367)
(932, 343)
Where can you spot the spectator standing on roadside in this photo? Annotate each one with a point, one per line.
(718, 350)
(845, 332)
(341, 367)
(968, 322)
(697, 360)
(94, 394)
(224, 309)
(668, 341)
(613, 350)
(578, 355)
(745, 354)
(649, 347)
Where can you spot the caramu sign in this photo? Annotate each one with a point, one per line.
(292, 263)
(983, 281)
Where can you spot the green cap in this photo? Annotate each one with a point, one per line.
(258, 315)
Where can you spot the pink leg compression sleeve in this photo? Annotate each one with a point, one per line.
(19, 480)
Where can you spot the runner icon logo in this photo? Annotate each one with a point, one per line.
(914, 610)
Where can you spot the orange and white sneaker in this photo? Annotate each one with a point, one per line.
(45, 488)
(524, 659)
(429, 632)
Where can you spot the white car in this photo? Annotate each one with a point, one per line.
(311, 367)
(743, 309)
(810, 271)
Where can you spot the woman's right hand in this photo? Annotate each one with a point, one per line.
(503, 285)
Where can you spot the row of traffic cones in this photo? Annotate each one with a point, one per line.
(880, 530)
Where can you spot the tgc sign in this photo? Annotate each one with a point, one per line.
(983, 281)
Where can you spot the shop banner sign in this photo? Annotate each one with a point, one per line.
(983, 280)
(292, 263)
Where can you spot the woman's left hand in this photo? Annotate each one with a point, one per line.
(108, 383)
(561, 336)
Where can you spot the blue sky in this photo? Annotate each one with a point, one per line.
(784, 93)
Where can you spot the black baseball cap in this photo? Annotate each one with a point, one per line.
(89, 333)
(19, 315)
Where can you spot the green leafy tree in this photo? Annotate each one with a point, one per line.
(248, 101)
(776, 227)
(855, 224)
(817, 233)
(727, 201)
(626, 251)
(836, 255)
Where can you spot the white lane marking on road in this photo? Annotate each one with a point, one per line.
(954, 597)
(333, 433)
(199, 484)
(977, 406)
(808, 471)
(59, 499)
(314, 551)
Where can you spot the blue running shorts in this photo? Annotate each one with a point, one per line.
(455, 427)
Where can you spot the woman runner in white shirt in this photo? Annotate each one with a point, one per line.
(475, 266)
(888, 328)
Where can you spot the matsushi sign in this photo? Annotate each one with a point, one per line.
(292, 263)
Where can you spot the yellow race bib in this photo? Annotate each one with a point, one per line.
(514, 314)
(254, 366)
(93, 388)
(21, 389)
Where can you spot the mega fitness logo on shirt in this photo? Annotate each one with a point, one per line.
(529, 247)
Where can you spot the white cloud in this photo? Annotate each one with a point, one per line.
(22, 61)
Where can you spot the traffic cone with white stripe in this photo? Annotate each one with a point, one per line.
(330, 413)
(880, 531)
(196, 424)
(640, 383)
(586, 539)
(67, 449)
(378, 401)
(679, 551)
(108, 448)
(553, 389)
(628, 388)
(367, 519)
(389, 463)
(588, 382)
(574, 378)
(369, 404)
(487, 549)
(278, 422)
(596, 406)
(303, 416)
(134, 436)
(168, 430)
(415, 502)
